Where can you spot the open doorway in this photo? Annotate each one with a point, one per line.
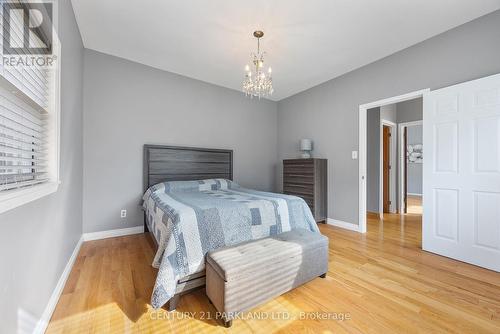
(386, 168)
(410, 176)
(388, 163)
(379, 158)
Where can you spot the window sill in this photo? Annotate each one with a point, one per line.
(15, 198)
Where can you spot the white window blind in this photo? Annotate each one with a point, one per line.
(32, 80)
(27, 117)
(23, 139)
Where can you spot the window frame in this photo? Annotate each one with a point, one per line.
(14, 198)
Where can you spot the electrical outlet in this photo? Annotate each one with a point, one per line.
(123, 213)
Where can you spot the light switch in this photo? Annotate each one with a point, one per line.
(354, 155)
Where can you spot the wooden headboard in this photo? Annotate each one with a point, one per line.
(173, 163)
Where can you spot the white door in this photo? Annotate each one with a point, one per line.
(461, 202)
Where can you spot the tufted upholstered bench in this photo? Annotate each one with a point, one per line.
(243, 276)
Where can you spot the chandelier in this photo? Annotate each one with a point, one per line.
(257, 82)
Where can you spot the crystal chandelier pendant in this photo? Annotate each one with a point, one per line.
(257, 82)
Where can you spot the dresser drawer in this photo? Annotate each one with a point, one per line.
(299, 179)
(308, 162)
(306, 178)
(298, 170)
(298, 189)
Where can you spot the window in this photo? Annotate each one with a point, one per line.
(29, 108)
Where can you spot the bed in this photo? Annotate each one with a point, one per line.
(192, 206)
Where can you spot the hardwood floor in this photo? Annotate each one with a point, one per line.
(414, 204)
(382, 281)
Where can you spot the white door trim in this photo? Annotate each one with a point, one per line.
(401, 157)
(362, 147)
(392, 176)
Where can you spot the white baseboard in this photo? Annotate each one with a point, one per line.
(42, 324)
(342, 224)
(113, 233)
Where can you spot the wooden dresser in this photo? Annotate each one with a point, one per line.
(307, 178)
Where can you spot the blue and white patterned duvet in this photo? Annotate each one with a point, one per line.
(191, 218)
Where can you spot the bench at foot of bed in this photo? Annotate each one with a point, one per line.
(246, 275)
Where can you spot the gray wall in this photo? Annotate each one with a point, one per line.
(38, 238)
(128, 105)
(373, 159)
(328, 113)
(388, 113)
(415, 169)
(410, 111)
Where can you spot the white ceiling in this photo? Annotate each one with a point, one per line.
(307, 41)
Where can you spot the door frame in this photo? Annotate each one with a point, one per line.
(392, 158)
(363, 108)
(401, 157)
